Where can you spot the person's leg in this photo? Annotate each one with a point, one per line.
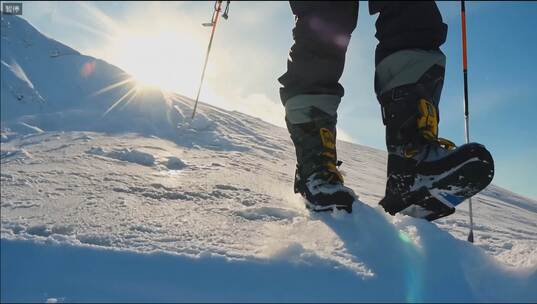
(427, 176)
(310, 90)
(321, 35)
(409, 65)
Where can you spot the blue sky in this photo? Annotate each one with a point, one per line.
(250, 52)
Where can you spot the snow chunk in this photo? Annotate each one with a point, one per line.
(226, 187)
(267, 213)
(40, 230)
(97, 151)
(134, 156)
(175, 163)
(202, 123)
(96, 239)
(126, 154)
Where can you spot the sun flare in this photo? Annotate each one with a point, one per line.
(158, 45)
(168, 60)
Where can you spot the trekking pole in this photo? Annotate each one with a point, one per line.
(466, 114)
(214, 21)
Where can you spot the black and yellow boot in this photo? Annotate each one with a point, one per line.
(427, 176)
(311, 121)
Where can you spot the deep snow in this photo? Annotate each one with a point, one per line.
(111, 197)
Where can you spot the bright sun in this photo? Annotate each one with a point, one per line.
(166, 59)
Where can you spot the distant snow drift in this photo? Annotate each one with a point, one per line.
(110, 193)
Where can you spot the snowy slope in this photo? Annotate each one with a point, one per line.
(139, 203)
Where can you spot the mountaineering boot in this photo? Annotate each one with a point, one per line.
(433, 182)
(311, 121)
(427, 176)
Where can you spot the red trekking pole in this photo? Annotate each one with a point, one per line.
(466, 114)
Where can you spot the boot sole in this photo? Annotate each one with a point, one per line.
(441, 198)
(327, 202)
(327, 208)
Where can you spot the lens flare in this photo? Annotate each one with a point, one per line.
(413, 268)
(88, 68)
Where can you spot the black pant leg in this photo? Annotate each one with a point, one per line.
(321, 34)
(407, 25)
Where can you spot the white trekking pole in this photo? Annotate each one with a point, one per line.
(214, 21)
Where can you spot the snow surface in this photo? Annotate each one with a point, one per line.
(131, 201)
